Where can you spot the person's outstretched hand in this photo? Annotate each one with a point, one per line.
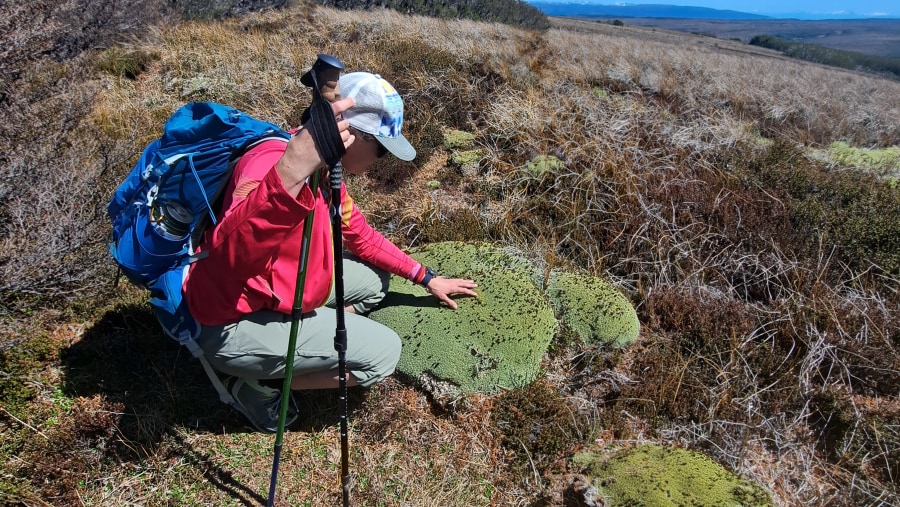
(442, 288)
(301, 158)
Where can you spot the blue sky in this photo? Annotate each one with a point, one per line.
(775, 7)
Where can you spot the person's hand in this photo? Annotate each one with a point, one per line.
(301, 158)
(442, 288)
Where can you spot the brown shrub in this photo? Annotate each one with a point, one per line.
(537, 427)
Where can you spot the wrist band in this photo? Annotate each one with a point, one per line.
(429, 274)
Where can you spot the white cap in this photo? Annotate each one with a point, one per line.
(378, 111)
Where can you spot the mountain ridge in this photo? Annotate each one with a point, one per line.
(586, 8)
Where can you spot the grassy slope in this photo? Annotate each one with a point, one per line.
(769, 337)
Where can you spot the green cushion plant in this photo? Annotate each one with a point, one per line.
(593, 308)
(542, 165)
(496, 341)
(458, 139)
(879, 160)
(491, 342)
(652, 475)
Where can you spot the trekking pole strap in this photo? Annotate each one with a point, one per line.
(325, 132)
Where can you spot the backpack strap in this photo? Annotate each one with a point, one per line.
(197, 352)
(216, 202)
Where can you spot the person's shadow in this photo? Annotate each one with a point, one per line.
(163, 390)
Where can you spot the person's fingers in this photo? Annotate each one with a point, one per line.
(342, 105)
(343, 125)
(450, 302)
(348, 139)
(463, 287)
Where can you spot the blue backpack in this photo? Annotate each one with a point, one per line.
(161, 210)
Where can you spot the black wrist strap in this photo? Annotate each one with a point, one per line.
(322, 124)
(324, 130)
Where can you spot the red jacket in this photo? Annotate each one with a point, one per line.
(254, 250)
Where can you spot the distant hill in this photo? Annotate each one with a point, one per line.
(588, 10)
(880, 37)
(886, 65)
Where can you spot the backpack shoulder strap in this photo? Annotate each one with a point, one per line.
(216, 201)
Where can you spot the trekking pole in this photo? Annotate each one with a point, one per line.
(330, 72)
(296, 318)
(340, 332)
(324, 130)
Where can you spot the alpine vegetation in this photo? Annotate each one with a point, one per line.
(685, 250)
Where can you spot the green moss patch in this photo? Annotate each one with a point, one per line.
(491, 342)
(467, 162)
(885, 160)
(594, 309)
(543, 164)
(464, 158)
(653, 475)
(458, 140)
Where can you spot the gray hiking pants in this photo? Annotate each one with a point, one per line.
(256, 346)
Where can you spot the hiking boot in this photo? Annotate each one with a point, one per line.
(260, 404)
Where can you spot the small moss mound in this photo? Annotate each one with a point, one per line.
(594, 309)
(653, 475)
(491, 342)
(543, 164)
(467, 157)
(467, 162)
(459, 140)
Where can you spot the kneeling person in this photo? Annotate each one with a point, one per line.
(242, 292)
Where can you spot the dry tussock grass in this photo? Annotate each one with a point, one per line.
(809, 103)
(683, 178)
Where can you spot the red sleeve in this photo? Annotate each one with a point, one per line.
(249, 259)
(258, 211)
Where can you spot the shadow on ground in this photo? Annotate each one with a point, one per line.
(163, 391)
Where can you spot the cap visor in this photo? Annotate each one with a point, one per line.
(399, 147)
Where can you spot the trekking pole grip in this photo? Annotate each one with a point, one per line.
(328, 74)
(324, 78)
(328, 70)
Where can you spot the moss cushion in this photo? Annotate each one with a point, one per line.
(653, 475)
(593, 308)
(491, 342)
